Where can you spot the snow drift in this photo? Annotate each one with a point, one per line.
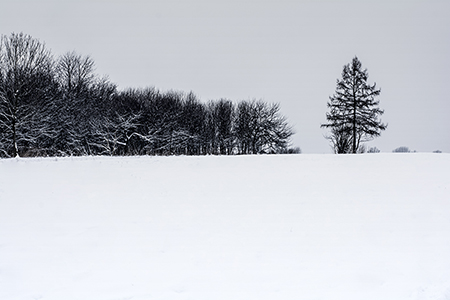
(374, 226)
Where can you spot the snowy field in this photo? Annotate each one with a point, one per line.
(289, 227)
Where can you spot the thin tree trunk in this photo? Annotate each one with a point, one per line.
(15, 148)
(14, 127)
(354, 119)
(354, 128)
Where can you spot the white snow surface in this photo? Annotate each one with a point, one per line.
(353, 227)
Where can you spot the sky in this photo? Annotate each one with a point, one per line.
(288, 52)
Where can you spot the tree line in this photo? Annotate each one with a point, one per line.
(60, 107)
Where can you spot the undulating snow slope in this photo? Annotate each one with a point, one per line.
(353, 227)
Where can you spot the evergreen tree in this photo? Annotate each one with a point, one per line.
(354, 113)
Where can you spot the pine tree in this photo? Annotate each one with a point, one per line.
(354, 113)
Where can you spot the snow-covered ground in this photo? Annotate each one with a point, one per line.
(289, 227)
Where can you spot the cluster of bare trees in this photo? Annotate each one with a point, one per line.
(59, 107)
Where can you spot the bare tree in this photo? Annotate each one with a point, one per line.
(219, 123)
(244, 123)
(260, 128)
(75, 73)
(113, 135)
(63, 108)
(193, 122)
(85, 103)
(26, 71)
(275, 128)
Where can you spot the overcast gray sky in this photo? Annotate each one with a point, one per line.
(283, 51)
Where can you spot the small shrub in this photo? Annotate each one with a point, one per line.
(402, 149)
(373, 150)
(295, 150)
(362, 149)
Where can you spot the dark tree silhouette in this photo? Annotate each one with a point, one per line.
(60, 108)
(75, 73)
(27, 89)
(354, 113)
(259, 128)
(76, 78)
(220, 118)
(193, 121)
(402, 149)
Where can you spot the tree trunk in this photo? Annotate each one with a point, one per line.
(354, 122)
(14, 127)
(15, 148)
